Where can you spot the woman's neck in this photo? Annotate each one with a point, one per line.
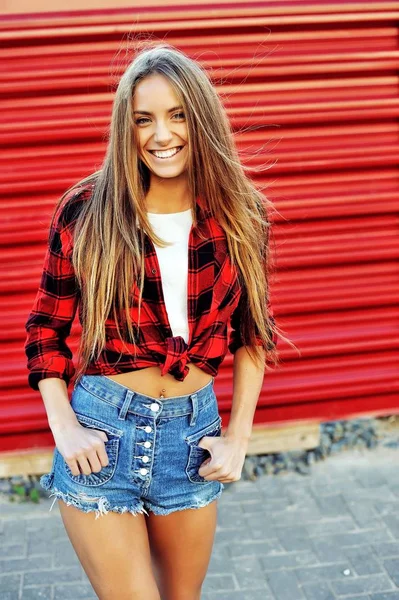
(168, 196)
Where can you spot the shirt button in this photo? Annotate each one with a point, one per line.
(144, 471)
(148, 430)
(145, 459)
(147, 444)
(154, 407)
(153, 271)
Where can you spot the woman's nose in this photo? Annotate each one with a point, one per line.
(162, 133)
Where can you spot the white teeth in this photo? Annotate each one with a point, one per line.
(165, 153)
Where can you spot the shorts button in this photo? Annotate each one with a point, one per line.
(145, 459)
(148, 430)
(144, 471)
(154, 407)
(147, 444)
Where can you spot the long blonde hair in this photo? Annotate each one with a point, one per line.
(108, 252)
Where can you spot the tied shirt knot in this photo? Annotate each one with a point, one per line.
(176, 358)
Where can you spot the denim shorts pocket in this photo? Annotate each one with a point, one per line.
(111, 447)
(198, 455)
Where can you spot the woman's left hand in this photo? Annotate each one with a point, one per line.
(227, 458)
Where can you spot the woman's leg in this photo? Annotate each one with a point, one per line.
(181, 547)
(114, 552)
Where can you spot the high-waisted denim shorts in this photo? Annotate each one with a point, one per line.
(152, 448)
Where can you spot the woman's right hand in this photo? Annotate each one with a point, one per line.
(82, 448)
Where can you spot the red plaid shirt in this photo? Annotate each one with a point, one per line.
(214, 299)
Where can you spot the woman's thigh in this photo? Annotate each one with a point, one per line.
(181, 547)
(114, 552)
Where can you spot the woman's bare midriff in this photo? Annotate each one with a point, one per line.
(150, 382)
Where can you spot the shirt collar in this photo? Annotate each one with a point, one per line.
(203, 212)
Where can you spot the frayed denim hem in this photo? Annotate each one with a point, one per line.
(100, 505)
(157, 510)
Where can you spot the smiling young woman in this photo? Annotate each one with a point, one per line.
(159, 250)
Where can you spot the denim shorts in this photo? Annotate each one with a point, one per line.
(152, 448)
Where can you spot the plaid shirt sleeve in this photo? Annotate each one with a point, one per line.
(50, 320)
(236, 336)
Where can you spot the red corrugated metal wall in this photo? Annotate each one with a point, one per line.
(317, 82)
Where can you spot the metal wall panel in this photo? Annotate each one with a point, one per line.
(315, 83)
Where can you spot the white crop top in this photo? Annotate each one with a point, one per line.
(173, 263)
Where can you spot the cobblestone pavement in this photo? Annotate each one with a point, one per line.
(333, 534)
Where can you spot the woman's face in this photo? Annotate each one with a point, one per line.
(160, 126)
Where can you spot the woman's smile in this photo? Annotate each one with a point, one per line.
(166, 154)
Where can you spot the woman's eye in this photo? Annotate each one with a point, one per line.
(139, 121)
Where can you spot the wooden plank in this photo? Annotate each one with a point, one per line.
(295, 436)
(30, 462)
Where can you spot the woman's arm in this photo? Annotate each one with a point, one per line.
(228, 451)
(247, 376)
(247, 385)
(60, 413)
(49, 322)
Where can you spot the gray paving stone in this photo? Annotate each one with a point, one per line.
(35, 547)
(331, 525)
(239, 595)
(284, 585)
(31, 563)
(357, 585)
(386, 508)
(37, 593)
(392, 567)
(10, 583)
(293, 517)
(386, 549)
(231, 519)
(12, 550)
(392, 522)
(357, 493)
(219, 565)
(287, 560)
(231, 535)
(50, 576)
(361, 597)
(364, 512)
(328, 550)
(332, 506)
(328, 488)
(363, 560)
(258, 529)
(255, 548)
(218, 582)
(64, 554)
(10, 595)
(221, 550)
(14, 531)
(318, 591)
(45, 535)
(294, 537)
(273, 506)
(77, 591)
(253, 506)
(324, 572)
(357, 538)
(385, 596)
(370, 479)
(248, 572)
